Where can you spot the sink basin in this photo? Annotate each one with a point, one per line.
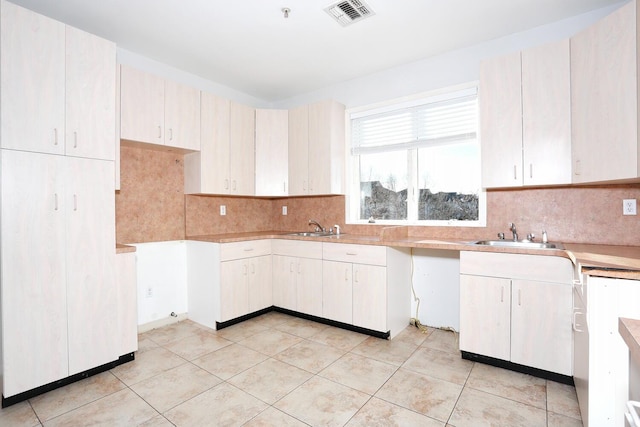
(311, 234)
(525, 244)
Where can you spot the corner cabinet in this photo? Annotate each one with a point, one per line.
(272, 147)
(517, 308)
(316, 149)
(604, 98)
(158, 111)
(217, 168)
(525, 117)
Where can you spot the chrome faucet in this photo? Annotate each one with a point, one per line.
(512, 227)
(317, 224)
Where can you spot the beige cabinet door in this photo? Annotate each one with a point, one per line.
(485, 316)
(34, 294)
(141, 106)
(207, 172)
(32, 78)
(234, 289)
(370, 297)
(90, 249)
(546, 114)
(272, 146)
(260, 283)
(604, 93)
(90, 96)
(285, 276)
(337, 291)
(326, 148)
(299, 151)
(181, 116)
(309, 286)
(541, 334)
(500, 100)
(242, 150)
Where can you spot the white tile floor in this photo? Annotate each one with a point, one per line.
(278, 370)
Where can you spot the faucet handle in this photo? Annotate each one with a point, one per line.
(501, 235)
(545, 239)
(531, 236)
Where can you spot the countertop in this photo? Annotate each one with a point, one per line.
(630, 331)
(598, 260)
(123, 249)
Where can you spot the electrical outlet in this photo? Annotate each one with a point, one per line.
(629, 207)
(149, 293)
(223, 210)
(284, 210)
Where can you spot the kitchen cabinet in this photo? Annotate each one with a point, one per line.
(58, 319)
(525, 117)
(366, 286)
(58, 86)
(517, 308)
(157, 111)
(126, 296)
(228, 280)
(316, 149)
(297, 276)
(272, 146)
(225, 163)
(604, 97)
(601, 357)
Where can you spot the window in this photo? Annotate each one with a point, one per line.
(417, 161)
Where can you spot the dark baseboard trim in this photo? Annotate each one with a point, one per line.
(540, 373)
(8, 401)
(377, 334)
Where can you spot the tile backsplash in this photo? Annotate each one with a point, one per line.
(151, 206)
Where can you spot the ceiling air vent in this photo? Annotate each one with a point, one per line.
(349, 11)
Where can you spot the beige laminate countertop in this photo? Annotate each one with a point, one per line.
(123, 249)
(597, 260)
(630, 331)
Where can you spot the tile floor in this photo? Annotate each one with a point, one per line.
(278, 370)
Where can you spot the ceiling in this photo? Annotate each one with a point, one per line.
(249, 46)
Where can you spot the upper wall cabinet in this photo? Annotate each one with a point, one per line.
(58, 87)
(272, 146)
(525, 118)
(226, 161)
(158, 111)
(316, 149)
(604, 97)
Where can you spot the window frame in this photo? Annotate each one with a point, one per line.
(352, 172)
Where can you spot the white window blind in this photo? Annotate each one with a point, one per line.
(428, 122)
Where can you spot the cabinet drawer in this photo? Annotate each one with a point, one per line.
(296, 248)
(361, 254)
(541, 268)
(239, 250)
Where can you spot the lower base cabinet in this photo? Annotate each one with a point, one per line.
(517, 308)
(126, 291)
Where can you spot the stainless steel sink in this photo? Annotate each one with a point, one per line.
(311, 234)
(525, 244)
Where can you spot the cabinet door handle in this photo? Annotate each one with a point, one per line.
(248, 249)
(170, 134)
(310, 185)
(234, 185)
(530, 170)
(75, 139)
(346, 274)
(75, 202)
(304, 185)
(573, 322)
(291, 267)
(55, 136)
(519, 297)
(356, 277)
(502, 294)
(55, 201)
(253, 268)
(284, 187)
(226, 184)
(245, 269)
(352, 253)
(159, 132)
(577, 170)
(515, 172)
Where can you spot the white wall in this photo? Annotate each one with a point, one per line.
(436, 281)
(162, 267)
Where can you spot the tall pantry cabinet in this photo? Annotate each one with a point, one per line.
(57, 130)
